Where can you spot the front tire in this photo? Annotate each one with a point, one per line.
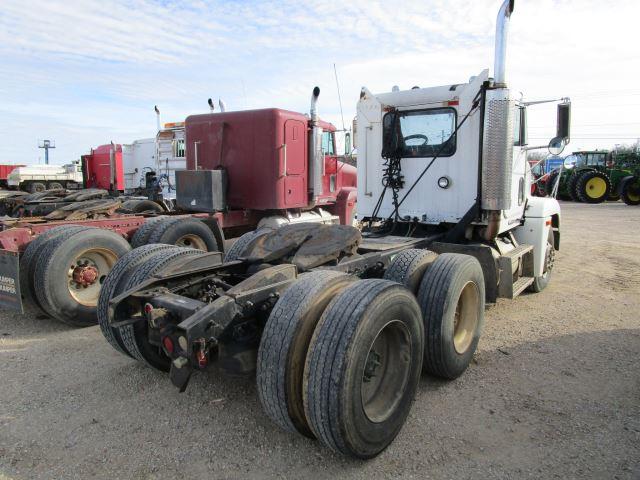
(631, 192)
(540, 282)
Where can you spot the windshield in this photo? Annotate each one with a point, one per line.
(420, 133)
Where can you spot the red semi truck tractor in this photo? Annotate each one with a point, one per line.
(269, 167)
(102, 168)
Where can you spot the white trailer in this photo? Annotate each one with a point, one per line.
(37, 178)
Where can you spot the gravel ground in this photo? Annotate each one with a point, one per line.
(554, 391)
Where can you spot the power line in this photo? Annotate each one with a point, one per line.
(588, 125)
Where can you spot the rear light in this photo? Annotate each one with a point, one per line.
(168, 344)
(453, 103)
(548, 223)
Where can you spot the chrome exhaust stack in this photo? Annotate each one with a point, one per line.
(502, 31)
(316, 159)
(155, 107)
(497, 142)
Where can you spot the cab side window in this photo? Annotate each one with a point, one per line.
(328, 143)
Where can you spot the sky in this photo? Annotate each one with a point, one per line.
(84, 73)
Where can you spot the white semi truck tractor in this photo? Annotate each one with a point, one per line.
(339, 322)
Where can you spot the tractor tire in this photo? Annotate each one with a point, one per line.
(285, 342)
(36, 187)
(37, 247)
(72, 296)
(186, 232)
(243, 243)
(540, 282)
(54, 186)
(551, 180)
(141, 237)
(113, 286)
(363, 367)
(593, 187)
(140, 206)
(452, 298)
(572, 187)
(630, 192)
(408, 267)
(135, 337)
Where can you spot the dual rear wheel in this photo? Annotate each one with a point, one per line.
(340, 358)
(62, 271)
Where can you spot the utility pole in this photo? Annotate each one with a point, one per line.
(46, 144)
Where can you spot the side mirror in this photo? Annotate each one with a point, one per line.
(556, 146)
(347, 143)
(563, 127)
(569, 162)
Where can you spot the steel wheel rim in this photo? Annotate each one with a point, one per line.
(596, 187)
(386, 371)
(192, 241)
(86, 274)
(465, 320)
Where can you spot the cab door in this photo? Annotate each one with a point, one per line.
(294, 153)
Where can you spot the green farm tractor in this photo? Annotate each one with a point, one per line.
(596, 176)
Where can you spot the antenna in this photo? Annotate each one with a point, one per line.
(339, 98)
(46, 144)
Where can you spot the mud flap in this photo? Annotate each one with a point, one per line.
(10, 296)
(180, 373)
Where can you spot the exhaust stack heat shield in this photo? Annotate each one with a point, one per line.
(497, 150)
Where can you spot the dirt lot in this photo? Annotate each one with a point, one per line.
(554, 392)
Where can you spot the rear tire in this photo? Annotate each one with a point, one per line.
(113, 286)
(38, 247)
(36, 187)
(593, 187)
(186, 232)
(408, 267)
(285, 342)
(141, 237)
(243, 243)
(140, 206)
(69, 273)
(572, 187)
(135, 337)
(363, 367)
(452, 298)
